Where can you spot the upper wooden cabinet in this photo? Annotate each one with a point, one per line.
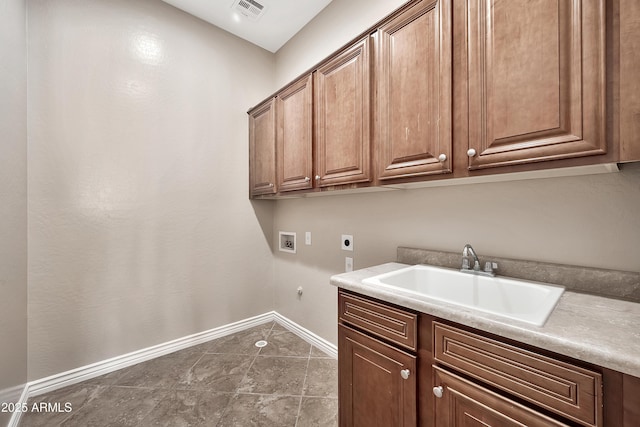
(414, 92)
(295, 133)
(262, 149)
(342, 117)
(444, 88)
(535, 88)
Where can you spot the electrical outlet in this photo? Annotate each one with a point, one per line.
(347, 242)
(348, 264)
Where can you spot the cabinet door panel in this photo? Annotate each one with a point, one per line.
(536, 80)
(342, 118)
(465, 404)
(414, 77)
(295, 147)
(372, 391)
(262, 147)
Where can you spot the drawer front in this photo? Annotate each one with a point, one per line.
(390, 323)
(568, 390)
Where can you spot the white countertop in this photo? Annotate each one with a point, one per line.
(598, 330)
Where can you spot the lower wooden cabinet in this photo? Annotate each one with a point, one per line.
(377, 382)
(459, 376)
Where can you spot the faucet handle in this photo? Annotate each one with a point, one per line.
(489, 266)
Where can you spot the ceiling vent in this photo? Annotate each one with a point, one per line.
(251, 9)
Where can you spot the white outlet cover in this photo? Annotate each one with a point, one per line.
(348, 264)
(346, 242)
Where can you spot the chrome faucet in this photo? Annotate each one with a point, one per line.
(468, 254)
(465, 258)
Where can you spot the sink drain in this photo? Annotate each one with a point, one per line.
(261, 343)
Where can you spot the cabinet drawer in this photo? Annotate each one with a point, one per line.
(563, 388)
(390, 323)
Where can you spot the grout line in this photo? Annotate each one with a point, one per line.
(304, 383)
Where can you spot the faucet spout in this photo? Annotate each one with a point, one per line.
(466, 251)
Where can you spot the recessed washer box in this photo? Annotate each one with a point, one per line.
(287, 241)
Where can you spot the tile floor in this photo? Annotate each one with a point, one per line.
(225, 382)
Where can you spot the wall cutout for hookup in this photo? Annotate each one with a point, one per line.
(287, 242)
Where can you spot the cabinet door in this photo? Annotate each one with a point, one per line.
(536, 80)
(295, 149)
(262, 149)
(464, 403)
(414, 92)
(343, 118)
(372, 389)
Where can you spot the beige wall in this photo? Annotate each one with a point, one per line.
(140, 229)
(337, 24)
(588, 220)
(13, 201)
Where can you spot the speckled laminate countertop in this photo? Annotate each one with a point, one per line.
(599, 330)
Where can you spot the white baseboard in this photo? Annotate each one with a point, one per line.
(24, 396)
(88, 372)
(74, 376)
(308, 336)
(11, 394)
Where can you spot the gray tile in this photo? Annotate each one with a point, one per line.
(322, 378)
(318, 412)
(316, 352)
(261, 411)
(117, 406)
(279, 375)
(162, 372)
(182, 408)
(222, 380)
(242, 342)
(216, 372)
(285, 343)
(278, 327)
(69, 400)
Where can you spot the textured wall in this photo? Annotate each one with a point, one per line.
(589, 220)
(336, 25)
(13, 201)
(140, 229)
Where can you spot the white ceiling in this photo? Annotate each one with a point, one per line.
(281, 19)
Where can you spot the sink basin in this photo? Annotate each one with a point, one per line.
(522, 300)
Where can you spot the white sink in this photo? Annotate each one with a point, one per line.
(523, 300)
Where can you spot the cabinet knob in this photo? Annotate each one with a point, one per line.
(471, 152)
(317, 177)
(307, 179)
(442, 157)
(405, 374)
(438, 391)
